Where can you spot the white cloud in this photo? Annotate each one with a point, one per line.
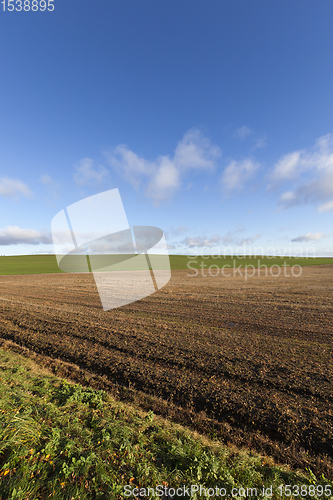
(236, 173)
(165, 181)
(14, 235)
(162, 177)
(130, 165)
(310, 237)
(326, 207)
(243, 132)
(13, 188)
(288, 196)
(312, 175)
(89, 173)
(195, 152)
(288, 167)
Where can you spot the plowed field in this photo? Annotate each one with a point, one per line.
(249, 361)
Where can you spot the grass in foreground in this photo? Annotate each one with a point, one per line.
(40, 264)
(63, 441)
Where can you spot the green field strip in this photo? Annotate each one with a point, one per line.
(41, 264)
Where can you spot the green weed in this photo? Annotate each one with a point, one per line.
(62, 441)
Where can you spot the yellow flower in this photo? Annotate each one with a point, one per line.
(47, 457)
(6, 472)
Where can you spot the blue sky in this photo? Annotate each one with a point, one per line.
(213, 118)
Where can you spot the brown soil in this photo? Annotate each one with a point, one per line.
(247, 361)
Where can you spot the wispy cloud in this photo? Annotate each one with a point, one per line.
(132, 167)
(88, 172)
(250, 240)
(162, 177)
(311, 173)
(232, 238)
(11, 188)
(260, 143)
(326, 207)
(201, 241)
(310, 237)
(52, 185)
(243, 132)
(14, 235)
(177, 231)
(46, 179)
(237, 173)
